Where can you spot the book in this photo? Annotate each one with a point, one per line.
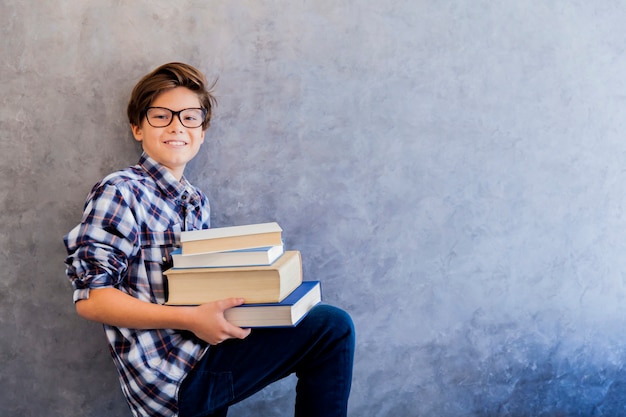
(245, 257)
(222, 239)
(287, 313)
(256, 284)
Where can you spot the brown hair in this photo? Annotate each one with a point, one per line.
(165, 77)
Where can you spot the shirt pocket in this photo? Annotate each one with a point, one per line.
(156, 250)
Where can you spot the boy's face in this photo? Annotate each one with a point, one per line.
(174, 145)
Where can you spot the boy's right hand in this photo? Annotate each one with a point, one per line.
(210, 325)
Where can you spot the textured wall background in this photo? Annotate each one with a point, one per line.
(453, 171)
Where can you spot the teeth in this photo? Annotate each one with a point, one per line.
(175, 142)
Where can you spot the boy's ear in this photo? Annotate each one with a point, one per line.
(137, 132)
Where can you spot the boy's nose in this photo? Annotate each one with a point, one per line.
(176, 124)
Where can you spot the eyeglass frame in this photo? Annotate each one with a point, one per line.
(176, 113)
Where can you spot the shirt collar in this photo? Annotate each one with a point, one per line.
(180, 190)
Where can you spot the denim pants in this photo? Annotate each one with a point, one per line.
(320, 350)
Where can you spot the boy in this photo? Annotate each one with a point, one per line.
(185, 361)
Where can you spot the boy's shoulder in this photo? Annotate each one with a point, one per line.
(126, 178)
(133, 173)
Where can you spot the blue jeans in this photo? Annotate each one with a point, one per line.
(320, 350)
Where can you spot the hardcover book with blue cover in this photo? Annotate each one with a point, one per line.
(287, 313)
(245, 257)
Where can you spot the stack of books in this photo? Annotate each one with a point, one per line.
(247, 262)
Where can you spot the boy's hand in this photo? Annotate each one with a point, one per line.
(112, 306)
(210, 324)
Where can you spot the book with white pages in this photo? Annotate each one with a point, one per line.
(246, 257)
(230, 238)
(287, 313)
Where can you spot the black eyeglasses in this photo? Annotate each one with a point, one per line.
(162, 117)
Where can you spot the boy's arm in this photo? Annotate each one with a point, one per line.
(116, 308)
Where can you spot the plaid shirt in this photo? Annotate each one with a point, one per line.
(131, 222)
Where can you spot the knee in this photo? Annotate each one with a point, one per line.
(334, 320)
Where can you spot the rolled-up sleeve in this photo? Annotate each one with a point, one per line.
(99, 247)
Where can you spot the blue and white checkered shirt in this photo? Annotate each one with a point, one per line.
(131, 222)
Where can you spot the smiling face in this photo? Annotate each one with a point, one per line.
(175, 145)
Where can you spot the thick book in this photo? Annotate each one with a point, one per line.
(245, 257)
(287, 313)
(256, 284)
(229, 238)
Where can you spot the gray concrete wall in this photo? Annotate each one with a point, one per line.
(453, 171)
